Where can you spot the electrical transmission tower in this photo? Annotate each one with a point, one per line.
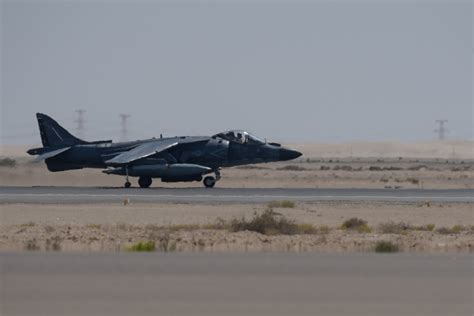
(124, 130)
(80, 122)
(441, 131)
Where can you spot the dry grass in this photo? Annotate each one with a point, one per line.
(393, 228)
(456, 229)
(386, 246)
(271, 223)
(142, 246)
(292, 168)
(356, 224)
(281, 204)
(7, 162)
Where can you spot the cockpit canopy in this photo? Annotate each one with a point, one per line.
(241, 137)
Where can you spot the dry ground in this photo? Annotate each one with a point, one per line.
(184, 227)
(310, 173)
(358, 165)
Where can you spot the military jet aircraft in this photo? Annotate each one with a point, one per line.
(173, 159)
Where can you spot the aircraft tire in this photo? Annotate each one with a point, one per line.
(127, 184)
(144, 182)
(209, 182)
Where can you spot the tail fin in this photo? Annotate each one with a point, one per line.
(53, 134)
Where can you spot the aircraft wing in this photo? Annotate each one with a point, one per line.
(51, 154)
(142, 151)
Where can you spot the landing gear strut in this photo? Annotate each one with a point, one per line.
(127, 183)
(144, 182)
(210, 182)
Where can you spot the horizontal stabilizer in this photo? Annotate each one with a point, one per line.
(51, 154)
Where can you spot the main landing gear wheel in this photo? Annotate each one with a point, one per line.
(144, 182)
(127, 184)
(209, 182)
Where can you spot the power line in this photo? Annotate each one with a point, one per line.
(441, 131)
(124, 129)
(80, 122)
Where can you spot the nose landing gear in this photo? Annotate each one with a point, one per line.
(127, 182)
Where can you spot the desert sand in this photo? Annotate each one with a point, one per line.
(185, 227)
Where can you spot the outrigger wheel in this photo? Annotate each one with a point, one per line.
(144, 182)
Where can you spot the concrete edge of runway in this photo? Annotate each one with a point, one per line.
(226, 195)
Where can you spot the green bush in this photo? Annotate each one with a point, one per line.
(143, 246)
(386, 246)
(281, 204)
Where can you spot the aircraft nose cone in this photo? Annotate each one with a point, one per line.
(287, 154)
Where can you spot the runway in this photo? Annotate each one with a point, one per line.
(228, 195)
(235, 284)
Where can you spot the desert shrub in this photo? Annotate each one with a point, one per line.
(220, 223)
(186, 227)
(49, 229)
(252, 167)
(417, 167)
(281, 204)
(32, 244)
(28, 224)
(323, 229)
(292, 168)
(93, 226)
(456, 229)
(393, 228)
(386, 246)
(392, 168)
(53, 243)
(142, 246)
(353, 222)
(307, 229)
(270, 223)
(413, 180)
(364, 229)
(428, 227)
(375, 168)
(7, 162)
(323, 168)
(343, 168)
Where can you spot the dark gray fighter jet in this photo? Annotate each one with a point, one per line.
(173, 159)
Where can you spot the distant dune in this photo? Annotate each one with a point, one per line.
(389, 149)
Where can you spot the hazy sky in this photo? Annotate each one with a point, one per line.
(290, 71)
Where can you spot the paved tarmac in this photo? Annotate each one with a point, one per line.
(233, 195)
(235, 284)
